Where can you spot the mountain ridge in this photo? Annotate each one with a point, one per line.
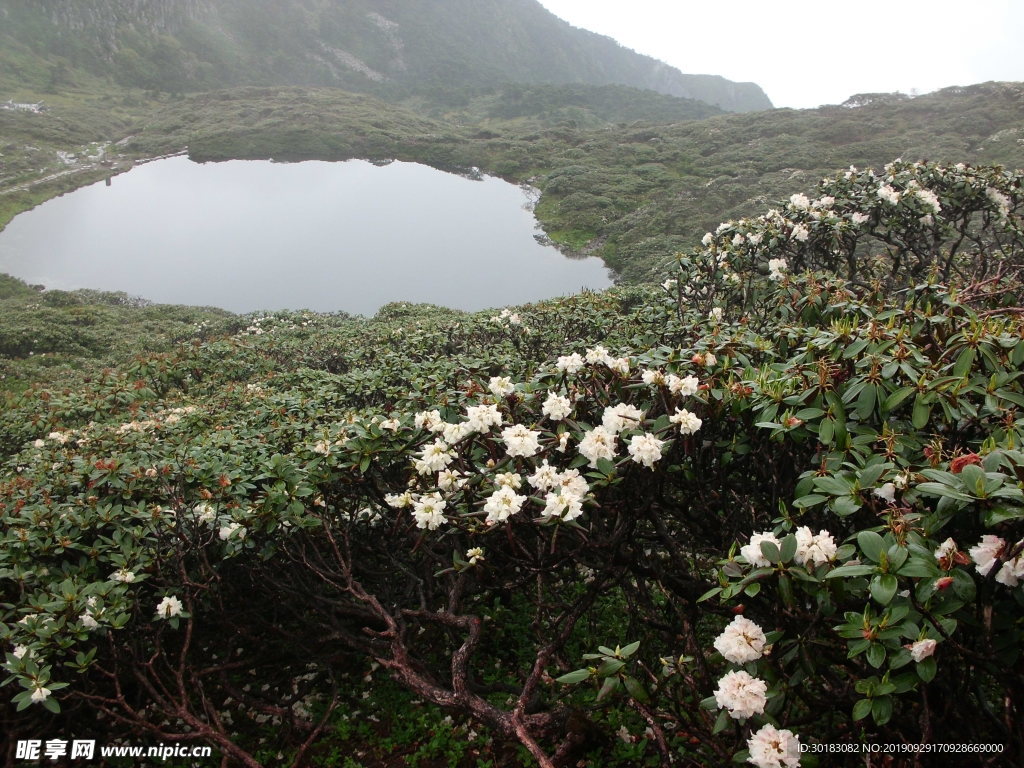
(391, 48)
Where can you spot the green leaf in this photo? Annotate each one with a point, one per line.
(871, 544)
(883, 587)
(577, 676)
(721, 722)
(881, 709)
(770, 551)
(850, 571)
(861, 709)
(629, 650)
(611, 684)
(926, 669)
(922, 412)
(787, 549)
(635, 689)
(938, 489)
(875, 655)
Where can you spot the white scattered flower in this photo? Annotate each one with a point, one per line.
(670, 284)
(39, 443)
(646, 449)
(772, 748)
(815, 549)
(777, 269)
(453, 433)
(708, 239)
(169, 607)
(715, 315)
(946, 549)
(688, 422)
(683, 386)
(475, 555)
(399, 500)
(502, 504)
(922, 649)
(570, 363)
(500, 386)
(737, 240)
(598, 443)
(88, 620)
(434, 457)
(562, 503)
(428, 511)
(598, 355)
(859, 218)
(929, 198)
(20, 651)
(752, 552)
(824, 203)
(890, 195)
(653, 378)
(123, 575)
(986, 552)
(509, 480)
(544, 477)
(741, 641)
(742, 694)
(1001, 201)
(799, 201)
(480, 418)
(205, 513)
(622, 416)
(520, 441)
(571, 481)
(232, 529)
(886, 492)
(563, 442)
(429, 420)
(800, 233)
(323, 447)
(619, 364)
(450, 479)
(40, 694)
(392, 425)
(556, 407)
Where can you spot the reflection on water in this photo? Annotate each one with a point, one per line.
(252, 235)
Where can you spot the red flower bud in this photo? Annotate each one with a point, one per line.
(943, 583)
(956, 466)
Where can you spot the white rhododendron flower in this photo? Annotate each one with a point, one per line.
(888, 194)
(815, 549)
(556, 407)
(800, 233)
(508, 480)
(570, 363)
(715, 315)
(799, 201)
(653, 377)
(520, 441)
(474, 555)
(544, 477)
(480, 418)
(399, 500)
(598, 356)
(571, 481)
(40, 694)
(622, 416)
(922, 649)
(429, 420)
(987, 553)
(562, 503)
(777, 269)
(434, 457)
(428, 511)
(502, 504)
(752, 551)
(500, 386)
(859, 218)
(683, 386)
(946, 549)
(169, 607)
(773, 748)
(708, 239)
(88, 620)
(742, 694)
(123, 575)
(598, 443)
(929, 198)
(688, 422)
(452, 433)
(887, 492)
(741, 641)
(645, 449)
(231, 529)
(619, 364)
(450, 479)
(20, 651)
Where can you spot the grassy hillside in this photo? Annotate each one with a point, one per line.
(440, 50)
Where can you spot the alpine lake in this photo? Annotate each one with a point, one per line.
(325, 236)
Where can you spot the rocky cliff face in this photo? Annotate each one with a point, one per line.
(394, 47)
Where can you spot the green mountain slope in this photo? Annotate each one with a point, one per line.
(391, 48)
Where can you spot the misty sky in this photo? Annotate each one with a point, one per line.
(804, 53)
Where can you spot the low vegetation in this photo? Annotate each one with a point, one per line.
(772, 501)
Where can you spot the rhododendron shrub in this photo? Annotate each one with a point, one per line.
(721, 534)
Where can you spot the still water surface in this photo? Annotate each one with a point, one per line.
(257, 235)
